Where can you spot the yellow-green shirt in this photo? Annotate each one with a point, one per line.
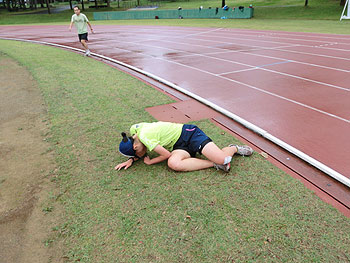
(80, 23)
(165, 134)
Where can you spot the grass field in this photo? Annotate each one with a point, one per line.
(320, 16)
(256, 213)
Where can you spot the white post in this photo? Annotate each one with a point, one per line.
(348, 12)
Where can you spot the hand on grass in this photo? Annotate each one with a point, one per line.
(126, 165)
(147, 160)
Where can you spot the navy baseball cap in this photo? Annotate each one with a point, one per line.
(126, 146)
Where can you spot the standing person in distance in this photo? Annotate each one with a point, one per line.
(81, 21)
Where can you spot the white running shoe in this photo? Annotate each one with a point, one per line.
(223, 167)
(243, 150)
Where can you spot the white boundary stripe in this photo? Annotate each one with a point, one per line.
(327, 42)
(221, 75)
(252, 68)
(243, 64)
(275, 42)
(252, 33)
(240, 51)
(288, 45)
(312, 54)
(281, 48)
(164, 38)
(334, 174)
(301, 62)
(201, 33)
(291, 34)
(281, 42)
(261, 90)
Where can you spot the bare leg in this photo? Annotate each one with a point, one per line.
(181, 161)
(215, 154)
(228, 150)
(85, 45)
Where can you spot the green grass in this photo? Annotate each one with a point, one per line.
(320, 16)
(256, 213)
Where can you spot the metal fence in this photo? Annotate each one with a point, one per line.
(236, 13)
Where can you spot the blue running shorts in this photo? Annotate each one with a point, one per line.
(192, 140)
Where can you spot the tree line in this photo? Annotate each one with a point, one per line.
(16, 5)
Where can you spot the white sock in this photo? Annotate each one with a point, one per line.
(227, 159)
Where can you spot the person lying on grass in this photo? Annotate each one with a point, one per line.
(177, 143)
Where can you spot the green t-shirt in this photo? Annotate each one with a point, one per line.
(165, 134)
(80, 22)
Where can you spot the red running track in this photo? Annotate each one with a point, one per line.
(295, 86)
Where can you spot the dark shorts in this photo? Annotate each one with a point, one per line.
(192, 140)
(83, 36)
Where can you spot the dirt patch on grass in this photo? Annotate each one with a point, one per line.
(25, 162)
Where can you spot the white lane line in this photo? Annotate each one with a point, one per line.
(232, 43)
(313, 54)
(258, 67)
(236, 51)
(261, 90)
(252, 37)
(261, 34)
(220, 29)
(301, 62)
(246, 40)
(247, 65)
(260, 55)
(165, 34)
(164, 38)
(285, 74)
(280, 48)
(237, 71)
(274, 42)
(269, 70)
(250, 32)
(250, 86)
(196, 39)
(270, 41)
(302, 78)
(201, 33)
(239, 51)
(300, 45)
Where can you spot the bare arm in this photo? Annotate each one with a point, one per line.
(70, 26)
(90, 27)
(126, 164)
(164, 154)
